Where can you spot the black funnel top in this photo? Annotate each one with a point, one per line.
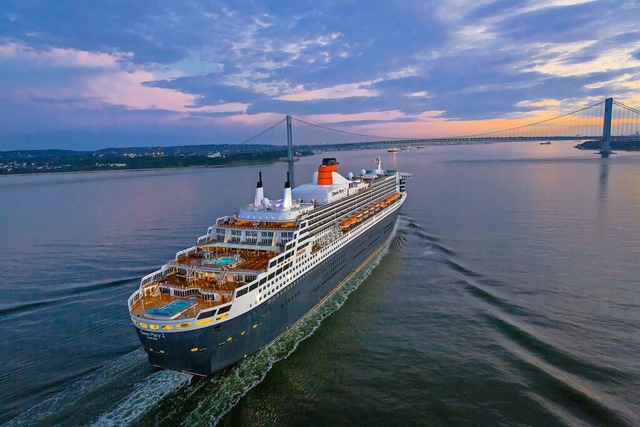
(287, 184)
(259, 180)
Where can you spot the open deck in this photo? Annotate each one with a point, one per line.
(205, 278)
(149, 303)
(263, 225)
(244, 260)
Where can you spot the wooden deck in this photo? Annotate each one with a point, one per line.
(163, 299)
(263, 225)
(250, 261)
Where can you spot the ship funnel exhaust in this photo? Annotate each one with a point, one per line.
(257, 201)
(286, 198)
(326, 170)
(378, 163)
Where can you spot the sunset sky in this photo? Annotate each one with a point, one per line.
(95, 74)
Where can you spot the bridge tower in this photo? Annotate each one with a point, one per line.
(290, 150)
(605, 148)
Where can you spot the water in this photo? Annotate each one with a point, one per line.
(509, 295)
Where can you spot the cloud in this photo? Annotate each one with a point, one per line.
(377, 116)
(421, 94)
(60, 57)
(542, 103)
(128, 90)
(405, 72)
(109, 84)
(557, 59)
(349, 90)
(386, 68)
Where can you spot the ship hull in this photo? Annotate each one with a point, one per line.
(208, 350)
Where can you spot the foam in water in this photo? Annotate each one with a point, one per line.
(146, 395)
(74, 403)
(224, 392)
(206, 401)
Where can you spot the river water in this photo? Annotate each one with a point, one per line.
(509, 295)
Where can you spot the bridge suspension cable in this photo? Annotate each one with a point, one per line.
(582, 124)
(625, 121)
(315, 134)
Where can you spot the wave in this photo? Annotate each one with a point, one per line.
(415, 229)
(65, 293)
(567, 386)
(566, 395)
(77, 403)
(208, 400)
(460, 268)
(252, 371)
(128, 392)
(147, 394)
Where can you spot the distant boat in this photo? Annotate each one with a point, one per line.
(546, 143)
(420, 147)
(407, 148)
(393, 150)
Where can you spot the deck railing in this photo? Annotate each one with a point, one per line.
(133, 299)
(186, 252)
(153, 277)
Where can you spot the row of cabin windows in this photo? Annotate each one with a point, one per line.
(253, 236)
(337, 266)
(298, 267)
(325, 219)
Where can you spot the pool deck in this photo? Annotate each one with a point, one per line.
(172, 310)
(250, 262)
(141, 306)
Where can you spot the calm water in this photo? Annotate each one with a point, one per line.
(509, 295)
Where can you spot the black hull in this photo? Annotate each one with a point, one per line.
(209, 350)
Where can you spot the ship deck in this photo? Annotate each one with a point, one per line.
(247, 260)
(256, 224)
(220, 281)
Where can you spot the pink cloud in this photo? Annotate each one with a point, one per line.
(60, 57)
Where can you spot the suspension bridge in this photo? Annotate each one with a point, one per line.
(604, 122)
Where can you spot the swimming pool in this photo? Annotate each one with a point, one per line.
(225, 260)
(172, 309)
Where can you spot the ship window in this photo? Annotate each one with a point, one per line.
(272, 275)
(255, 285)
(225, 309)
(207, 314)
(241, 292)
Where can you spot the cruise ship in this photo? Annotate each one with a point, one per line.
(257, 272)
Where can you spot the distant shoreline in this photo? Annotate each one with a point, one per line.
(620, 145)
(123, 170)
(43, 162)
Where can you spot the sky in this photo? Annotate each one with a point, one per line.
(95, 74)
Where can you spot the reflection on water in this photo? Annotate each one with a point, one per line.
(603, 184)
(488, 307)
(604, 180)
